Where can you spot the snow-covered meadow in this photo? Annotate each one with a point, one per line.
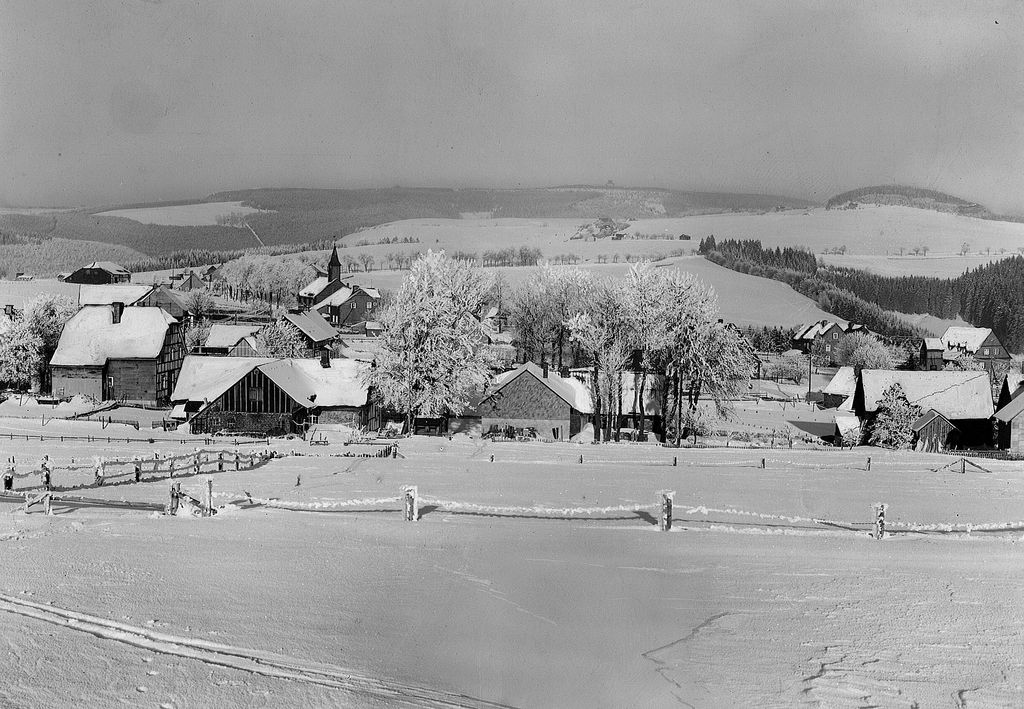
(197, 214)
(532, 580)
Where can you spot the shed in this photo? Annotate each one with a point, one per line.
(934, 432)
(316, 332)
(232, 340)
(1010, 423)
(534, 397)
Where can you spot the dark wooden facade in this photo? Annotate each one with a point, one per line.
(96, 276)
(935, 433)
(254, 404)
(357, 309)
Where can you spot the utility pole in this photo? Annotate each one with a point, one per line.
(810, 360)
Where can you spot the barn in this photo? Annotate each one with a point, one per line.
(534, 397)
(112, 352)
(1010, 423)
(934, 432)
(317, 333)
(232, 340)
(840, 388)
(271, 396)
(964, 399)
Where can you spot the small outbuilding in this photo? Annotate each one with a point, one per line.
(934, 432)
(841, 388)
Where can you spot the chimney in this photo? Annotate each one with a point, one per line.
(325, 358)
(544, 369)
(116, 309)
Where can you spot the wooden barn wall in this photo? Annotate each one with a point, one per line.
(134, 380)
(168, 364)
(71, 381)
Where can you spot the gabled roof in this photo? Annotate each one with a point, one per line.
(570, 390)
(109, 267)
(1013, 408)
(206, 378)
(815, 329)
(843, 383)
(314, 287)
(229, 335)
(341, 384)
(336, 298)
(90, 337)
(933, 343)
(313, 325)
(956, 395)
(105, 294)
(968, 338)
(926, 418)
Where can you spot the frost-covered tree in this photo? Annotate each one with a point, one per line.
(199, 303)
(45, 316)
(891, 426)
(862, 351)
(20, 353)
(790, 366)
(280, 339)
(433, 353)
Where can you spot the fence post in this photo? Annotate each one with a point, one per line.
(46, 504)
(99, 472)
(869, 464)
(581, 460)
(9, 475)
(238, 460)
(220, 461)
(675, 461)
(209, 498)
(412, 504)
(665, 518)
(137, 466)
(172, 508)
(44, 467)
(963, 466)
(764, 463)
(879, 509)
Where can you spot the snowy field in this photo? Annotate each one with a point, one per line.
(199, 214)
(532, 580)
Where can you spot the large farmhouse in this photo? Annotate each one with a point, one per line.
(100, 272)
(962, 400)
(533, 397)
(271, 396)
(827, 332)
(977, 342)
(112, 352)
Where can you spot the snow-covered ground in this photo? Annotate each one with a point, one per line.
(198, 214)
(493, 596)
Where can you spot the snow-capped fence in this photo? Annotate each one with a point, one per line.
(134, 469)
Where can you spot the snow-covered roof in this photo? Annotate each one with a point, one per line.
(926, 418)
(341, 384)
(1012, 409)
(109, 267)
(967, 338)
(843, 383)
(1013, 380)
(106, 294)
(955, 395)
(627, 396)
(313, 288)
(312, 324)
(206, 378)
(336, 298)
(814, 330)
(372, 292)
(571, 390)
(90, 337)
(933, 343)
(229, 335)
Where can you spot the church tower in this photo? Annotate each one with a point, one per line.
(334, 267)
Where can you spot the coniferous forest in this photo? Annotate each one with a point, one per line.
(987, 296)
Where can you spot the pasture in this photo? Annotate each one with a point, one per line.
(532, 580)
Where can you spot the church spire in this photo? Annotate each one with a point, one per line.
(334, 266)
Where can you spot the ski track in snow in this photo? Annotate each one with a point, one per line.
(244, 659)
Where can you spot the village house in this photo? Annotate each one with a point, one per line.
(272, 396)
(99, 272)
(828, 332)
(232, 340)
(961, 400)
(628, 421)
(979, 343)
(317, 333)
(189, 282)
(536, 399)
(110, 352)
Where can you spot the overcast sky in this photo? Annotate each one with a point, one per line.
(106, 101)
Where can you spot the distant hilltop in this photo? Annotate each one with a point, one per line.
(920, 198)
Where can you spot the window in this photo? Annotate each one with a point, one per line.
(985, 352)
(256, 395)
(835, 335)
(828, 348)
